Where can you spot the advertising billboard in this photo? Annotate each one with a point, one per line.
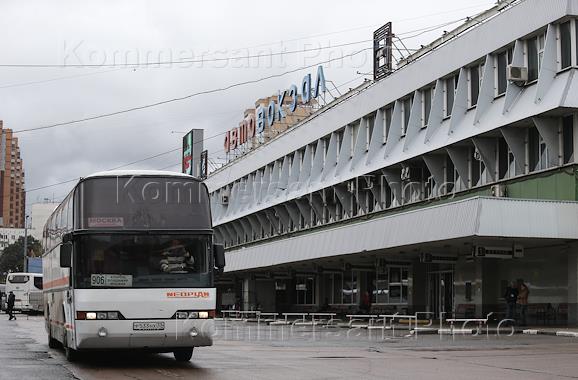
(187, 153)
(192, 148)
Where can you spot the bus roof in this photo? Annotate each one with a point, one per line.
(25, 274)
(126, 173)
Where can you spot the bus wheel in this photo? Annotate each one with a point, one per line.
(71, 354)
(52, 343)
(183, 355)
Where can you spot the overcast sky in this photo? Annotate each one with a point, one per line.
(121, 31)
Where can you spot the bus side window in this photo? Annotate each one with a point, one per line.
(69, 215)
(38, 282)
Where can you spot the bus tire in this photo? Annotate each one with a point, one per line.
(52, 343)
(183, 354)
(71, 354)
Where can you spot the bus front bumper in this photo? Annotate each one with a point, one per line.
(126, 334)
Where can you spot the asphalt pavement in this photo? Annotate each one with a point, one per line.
(24, 357)
(243, 351)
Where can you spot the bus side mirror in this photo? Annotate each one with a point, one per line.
(219, 256)
(66, 255)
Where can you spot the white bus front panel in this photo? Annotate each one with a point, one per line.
(148, 318)
(112, 334)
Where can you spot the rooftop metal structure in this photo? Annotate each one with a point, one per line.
(472, 22)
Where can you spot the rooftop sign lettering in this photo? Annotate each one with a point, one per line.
(266, 117)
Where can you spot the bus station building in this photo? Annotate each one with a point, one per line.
(431, 188)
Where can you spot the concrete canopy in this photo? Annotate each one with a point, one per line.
(473, 217)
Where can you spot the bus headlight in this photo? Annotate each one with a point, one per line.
(182, 315)
(112, 315)
(100, 315)
(189, 314)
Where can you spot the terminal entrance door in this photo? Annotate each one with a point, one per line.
(441, 293)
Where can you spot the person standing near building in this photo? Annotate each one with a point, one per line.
(10, 306)
(511, 297)
(523, 294)
(365, 305)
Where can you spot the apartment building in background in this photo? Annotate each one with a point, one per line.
(9, 236)
(13, 200)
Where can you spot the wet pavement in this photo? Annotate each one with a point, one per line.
(23, 357)
(243, 351)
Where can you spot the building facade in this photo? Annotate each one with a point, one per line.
(13, 199)
(431, 189)
(39, 214)
(9, 236)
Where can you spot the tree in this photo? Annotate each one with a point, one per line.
(12, 259)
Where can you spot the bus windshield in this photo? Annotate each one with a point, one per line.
(142, 261)
(18, 279)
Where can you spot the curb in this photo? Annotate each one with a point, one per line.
(567, 334)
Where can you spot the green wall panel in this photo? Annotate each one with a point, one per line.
(559, 185)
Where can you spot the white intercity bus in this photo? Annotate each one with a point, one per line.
(27, 289)
(129, 264)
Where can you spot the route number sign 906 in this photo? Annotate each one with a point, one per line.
(110, 280)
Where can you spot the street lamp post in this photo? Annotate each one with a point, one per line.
(25, 244)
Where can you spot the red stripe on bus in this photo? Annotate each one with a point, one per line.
(58, 323)
(58, 282)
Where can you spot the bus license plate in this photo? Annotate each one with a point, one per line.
(148, 326)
